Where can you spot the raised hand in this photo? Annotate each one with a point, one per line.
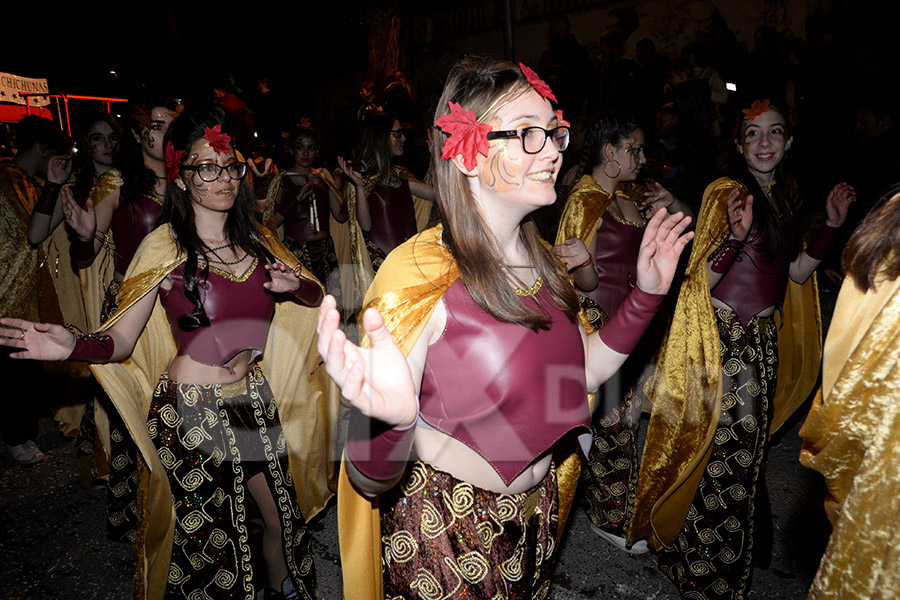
(573, 253)
(656, 197)
(740, 214)
(59, 168)
(37, 341)
(83, 221)
(355, 176)
(282, 280)
(837, 203)
(376, 380)
(662, 244)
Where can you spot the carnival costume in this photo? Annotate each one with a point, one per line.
(37, 284)
(134, 218)
(525, 527)
(714, 408)
(396, 216)
(851, 438)
(304, 217)
(194, 519)
(610, 472)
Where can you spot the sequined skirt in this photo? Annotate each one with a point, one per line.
(445, 538)
(212, 439)
(711, 557)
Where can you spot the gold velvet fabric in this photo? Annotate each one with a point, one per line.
(406, 292)
(851, 437)
(21, 262)
(686, 388)
(583, 210)
(306, 397)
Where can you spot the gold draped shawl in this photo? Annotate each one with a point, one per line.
(686, 387)
(307, 399)
(851, 437)
(406, 291)
(583, 210)
(21, 262)
(357, 245)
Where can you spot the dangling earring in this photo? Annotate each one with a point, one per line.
(618, 166)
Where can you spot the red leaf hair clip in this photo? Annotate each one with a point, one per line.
(173, 161)
(218, 141)
(467, 136)
(559, 119)
(539, 85)
(758, 107)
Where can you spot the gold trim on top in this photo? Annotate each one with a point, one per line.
(533, 290)
(231, 276)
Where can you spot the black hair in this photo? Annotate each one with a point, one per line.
(375, 143)
(178, 211)
(33, 130)
(84, 173)
(608, 128)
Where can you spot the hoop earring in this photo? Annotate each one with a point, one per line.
(617, 166)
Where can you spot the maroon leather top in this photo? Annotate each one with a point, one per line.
(393, 216)
(239, 314)
(753, 283)
(132, 221)
(507, 392)
(616, 255)
(298, 213)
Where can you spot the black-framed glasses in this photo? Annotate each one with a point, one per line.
(209, 172)
(535, 138)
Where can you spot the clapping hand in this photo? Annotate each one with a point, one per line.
(662, 244)
(83, 221)
(837, 204)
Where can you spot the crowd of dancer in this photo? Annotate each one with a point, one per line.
(226, 304)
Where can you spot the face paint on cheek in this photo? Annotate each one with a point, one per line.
(500, 172)
(148, 137)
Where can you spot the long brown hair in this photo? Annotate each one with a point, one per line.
(872, 249)
(476, 84)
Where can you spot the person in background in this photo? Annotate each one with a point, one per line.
(607, 214)
(30, 181)
(727, 376)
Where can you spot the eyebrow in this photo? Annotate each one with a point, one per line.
(535, 118)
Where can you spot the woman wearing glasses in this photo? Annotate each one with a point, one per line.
(386, 203)
(463, 453)
(607, 214)
(216, 305)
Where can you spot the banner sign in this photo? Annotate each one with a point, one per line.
(11, 86)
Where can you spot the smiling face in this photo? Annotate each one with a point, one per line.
(763, 142)
(152, 135)
(218, 195)
(508, 176)
(103, 143)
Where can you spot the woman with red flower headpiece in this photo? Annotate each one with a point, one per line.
(212, 308)
(701, 493)
(471, 386)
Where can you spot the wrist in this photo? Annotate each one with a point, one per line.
(47, 200)
(588, 263)
(625, 329)
(819, 246)
(90, 347)
(82, 250)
